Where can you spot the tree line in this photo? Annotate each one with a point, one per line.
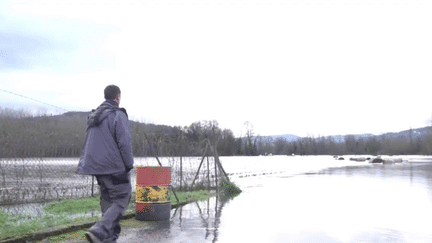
(351, 145)
(26, 135)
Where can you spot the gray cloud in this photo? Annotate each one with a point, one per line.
(55, 45)
(18, 51)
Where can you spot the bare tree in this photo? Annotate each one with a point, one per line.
(250, 145)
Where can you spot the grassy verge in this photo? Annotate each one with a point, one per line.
(55, 215)
(73, 206)
(192, 196)
(69, 212)
(76, 215)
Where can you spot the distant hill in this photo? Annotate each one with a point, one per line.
(82, 115)
(77, 113)
(417, 133)
(63, 136)
(287, 137)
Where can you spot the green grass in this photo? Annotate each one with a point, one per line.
(230, 189)
(73, 205)
(191, 196)
(22, 224)
(60, 213)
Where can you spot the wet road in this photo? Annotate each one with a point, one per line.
(363, 203)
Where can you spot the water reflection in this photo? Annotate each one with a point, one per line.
(194, 222)
(418, 174)
(364, 203)
(361, 203)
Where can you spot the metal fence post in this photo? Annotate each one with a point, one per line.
(92, 186)
(208, 174)
(181, 173)
(216, 177)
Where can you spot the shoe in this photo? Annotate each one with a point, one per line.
(92, 238)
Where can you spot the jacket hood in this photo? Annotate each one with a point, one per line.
(103, 111)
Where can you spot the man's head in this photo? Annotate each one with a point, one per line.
(112, 92)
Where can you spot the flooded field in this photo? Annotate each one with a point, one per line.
(300, 199)
(45, 179)
(340, 202)
(371, 203)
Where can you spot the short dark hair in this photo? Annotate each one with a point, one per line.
(111, 91)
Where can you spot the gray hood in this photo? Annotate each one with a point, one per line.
(103, 111)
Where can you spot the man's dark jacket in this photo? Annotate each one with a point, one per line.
(107, 145)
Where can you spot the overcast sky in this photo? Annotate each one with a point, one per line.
(288, 67)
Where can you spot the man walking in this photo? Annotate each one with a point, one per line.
(107, 154)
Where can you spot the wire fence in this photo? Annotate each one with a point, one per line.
(30, 180)
(40, 179)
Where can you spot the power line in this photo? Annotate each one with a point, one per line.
(33, 99)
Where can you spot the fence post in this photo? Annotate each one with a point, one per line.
(3, 165)
(181, 173)
(92, 186)
(216, 157)
(208, 174)
(216, 177)
(202, 160)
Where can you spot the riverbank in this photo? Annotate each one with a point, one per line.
(64, 220)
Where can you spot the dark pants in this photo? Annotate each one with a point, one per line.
(115, 195)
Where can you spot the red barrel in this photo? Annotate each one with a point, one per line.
(153, 176)
(152, 193)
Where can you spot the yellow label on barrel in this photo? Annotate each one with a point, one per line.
(152, 194)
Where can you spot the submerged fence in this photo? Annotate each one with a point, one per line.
(28, 180)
